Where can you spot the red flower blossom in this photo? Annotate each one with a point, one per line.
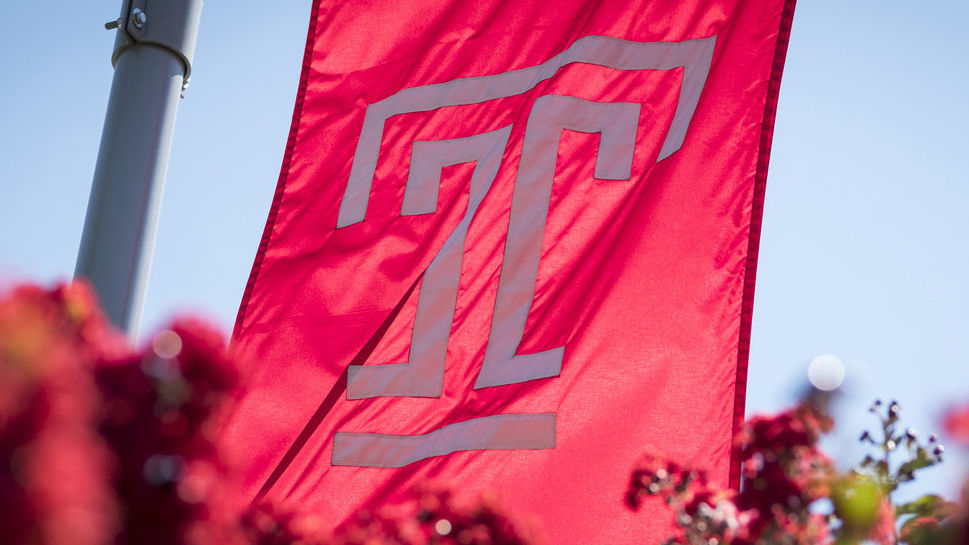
(782, 466)
(703, 512)
(795, 528)
(957, 424)
(159, 415)
(263, 524)
(801, 426)
(53, 488)
(656, 476)
(439, 517)
(883, 531)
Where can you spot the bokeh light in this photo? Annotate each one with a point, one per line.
(826, 372)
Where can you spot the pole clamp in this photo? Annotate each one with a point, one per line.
(169, 24)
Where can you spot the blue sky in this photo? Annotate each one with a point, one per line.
(863, 251)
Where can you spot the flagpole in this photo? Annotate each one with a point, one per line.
(152, 60)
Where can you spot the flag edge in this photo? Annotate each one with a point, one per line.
(283, 172)
(753, 242)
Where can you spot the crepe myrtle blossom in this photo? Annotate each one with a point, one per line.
(787, 480)
(104, 443)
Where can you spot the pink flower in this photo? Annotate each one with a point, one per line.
(781, 463)
(55, 489)
(438, 516)
(883, 531)
(263, 524)
(656, 476)
(772, 436)
(159, 415)
(957, 424)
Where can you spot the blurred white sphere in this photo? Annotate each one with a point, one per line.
(826, 372)
(167, 344)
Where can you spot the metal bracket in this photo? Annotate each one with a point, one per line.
(169, 24)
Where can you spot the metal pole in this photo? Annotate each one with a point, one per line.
(152, 61)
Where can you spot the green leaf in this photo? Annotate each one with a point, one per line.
(912, 466)
(929, 505)
(922, 536)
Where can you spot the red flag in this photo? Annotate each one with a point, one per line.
(512, 247)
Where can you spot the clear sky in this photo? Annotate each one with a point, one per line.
(863, 251)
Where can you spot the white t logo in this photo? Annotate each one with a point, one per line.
(423, 374)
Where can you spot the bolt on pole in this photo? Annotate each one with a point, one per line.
(152, 61)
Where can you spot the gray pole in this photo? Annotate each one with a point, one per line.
(152, 61)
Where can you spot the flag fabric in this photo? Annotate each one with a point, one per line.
(512, 247)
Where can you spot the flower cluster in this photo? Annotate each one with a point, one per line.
(933, 520)
(429, 516)
(785, 475)
(53, 480)
(705, 514)
(159, 412)
(785, 472)
(101, 443)
(264, 524)
(436, 516)
(105, 443)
